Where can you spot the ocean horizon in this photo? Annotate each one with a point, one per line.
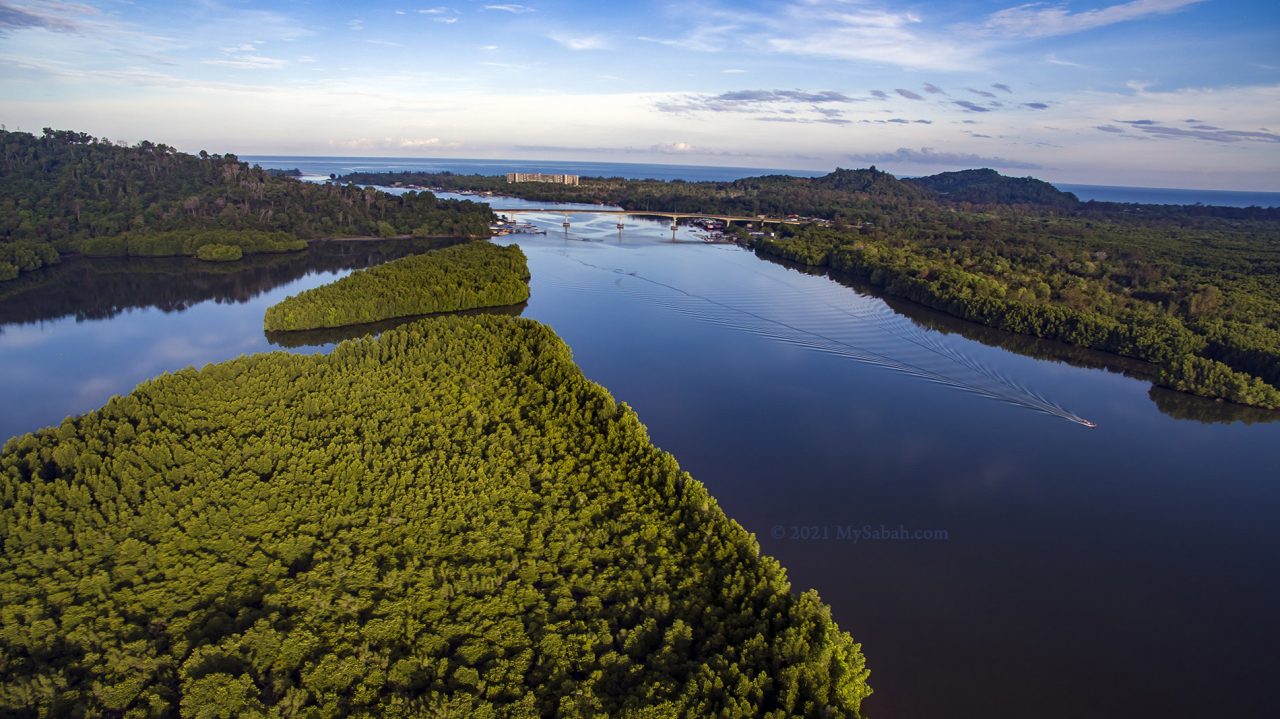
(323, 166)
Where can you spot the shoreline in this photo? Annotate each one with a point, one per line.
(762, 250)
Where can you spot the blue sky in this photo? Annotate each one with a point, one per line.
(1174, 93)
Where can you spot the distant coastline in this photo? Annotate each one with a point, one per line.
(323, 166)
(1171, 195)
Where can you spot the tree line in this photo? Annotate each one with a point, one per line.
(448, 521)
(189, 243)
(1078, 304)
(62, 188)
(461, 277)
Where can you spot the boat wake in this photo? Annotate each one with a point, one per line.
(834, 320)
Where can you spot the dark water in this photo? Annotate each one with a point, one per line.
(1122, 571)
(320, 167)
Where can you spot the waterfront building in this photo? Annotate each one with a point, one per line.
(514, 177)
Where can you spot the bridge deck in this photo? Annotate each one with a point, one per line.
(647, 213)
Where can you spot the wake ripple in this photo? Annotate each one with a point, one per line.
(831, 319)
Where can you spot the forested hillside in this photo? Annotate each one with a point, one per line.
(775, 195)
(62, 188)
(990, 187)
(448, 521)
(462, 277)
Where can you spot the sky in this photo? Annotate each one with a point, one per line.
(1160, 93)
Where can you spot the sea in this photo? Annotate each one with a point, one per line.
(321, 167)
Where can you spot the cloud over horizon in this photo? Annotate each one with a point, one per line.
(1049, 84)
(931, 157)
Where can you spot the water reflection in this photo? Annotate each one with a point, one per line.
(98, 289)
(1181, 405)
(1174, 404)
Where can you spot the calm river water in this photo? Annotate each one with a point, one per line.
(1047, 569)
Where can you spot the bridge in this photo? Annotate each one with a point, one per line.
(650, 213)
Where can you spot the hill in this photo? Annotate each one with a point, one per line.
(62, 188)
(989, 187)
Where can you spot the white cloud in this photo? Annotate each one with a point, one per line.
(1041, 20)
(669, 42)
(49, 69)
(872, 32)
(581, 42)
(932, 158)
(419, 142)
(1053, 59)
(511, 8)
(840, 30)
(442, 14)
(394, 144)
(248, 62)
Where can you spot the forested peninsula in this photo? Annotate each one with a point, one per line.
(448, 521)
(462, 277)
(1194, 290)
(65, 191)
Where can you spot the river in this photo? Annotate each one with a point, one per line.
(930, 478)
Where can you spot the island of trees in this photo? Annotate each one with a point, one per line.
(1193, 289)
(65, 191)
(461, 277)
(447, 521)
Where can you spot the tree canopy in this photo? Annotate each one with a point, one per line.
(62, 188)
(447, 521)
(987, 186)
(188, 243)
(462, 277)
